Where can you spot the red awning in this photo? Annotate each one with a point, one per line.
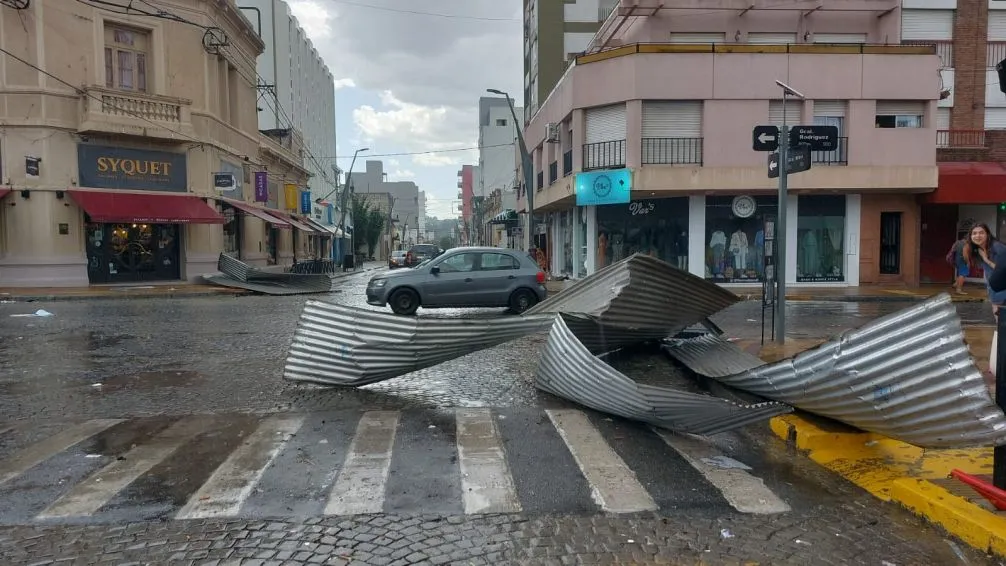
(3, 192)
(258, 213)
(969, 182)
(296, 223)
(111, 206)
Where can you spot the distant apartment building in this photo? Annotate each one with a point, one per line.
(297, 91)
(554, 32)
(465, 205)
(131, 149)
(497, 164)
(667, 168)
(404, 194)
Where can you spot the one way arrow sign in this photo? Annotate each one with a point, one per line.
(765, 138)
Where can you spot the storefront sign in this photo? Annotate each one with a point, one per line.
(610, 186)
(109, 167)
(638, 208)
(261, 186)
(224, 182)
(290, 197)
(743, 206)
(305, 202)
(237, 173)
(32, 166)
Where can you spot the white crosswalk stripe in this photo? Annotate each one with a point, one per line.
(486, 464)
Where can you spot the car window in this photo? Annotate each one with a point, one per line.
(459, 263)
(498, 262)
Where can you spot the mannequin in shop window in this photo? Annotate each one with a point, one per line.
(602, 250)
(811, 264)
(718, 243)
(681, 248)
(827, 254)
(739, 250)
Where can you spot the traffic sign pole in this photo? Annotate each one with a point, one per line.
(780, 231)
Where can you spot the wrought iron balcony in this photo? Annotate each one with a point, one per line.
(837, 156)
(603, 155)
(670, 151)
(960, 138)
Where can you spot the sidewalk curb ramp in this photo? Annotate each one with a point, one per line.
(903, 474)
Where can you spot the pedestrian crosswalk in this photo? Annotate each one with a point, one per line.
(466, 461)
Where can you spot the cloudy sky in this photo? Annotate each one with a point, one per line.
(409, 76)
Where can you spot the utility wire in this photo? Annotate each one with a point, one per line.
(423, 13)
(429, 152)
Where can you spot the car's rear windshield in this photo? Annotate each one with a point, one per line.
(424, 249)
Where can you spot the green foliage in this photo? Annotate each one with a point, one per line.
(368, 223)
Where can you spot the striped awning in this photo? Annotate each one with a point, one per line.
(508, 215)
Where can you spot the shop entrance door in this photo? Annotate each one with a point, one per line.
(133, 253)
(939, 231)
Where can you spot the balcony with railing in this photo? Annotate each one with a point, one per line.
(672, 151)
(604, 155)
(837, 156)
(107, 110)
(553, 172)
(944, 48)
(567, 163)
(960, 138)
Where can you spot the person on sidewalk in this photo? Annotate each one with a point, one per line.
(989, 253)
(955, 257)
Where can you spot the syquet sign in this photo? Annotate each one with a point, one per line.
(109, 167)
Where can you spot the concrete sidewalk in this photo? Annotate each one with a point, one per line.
(153, 290)
(898, 472)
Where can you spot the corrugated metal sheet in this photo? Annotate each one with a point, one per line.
(641, 292)
(341, 345)
(568, 369)
(599, 338)
(908, 376)
(239, 274)
(712, 356)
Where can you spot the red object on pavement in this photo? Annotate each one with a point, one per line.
(540, 277)
(995, 495)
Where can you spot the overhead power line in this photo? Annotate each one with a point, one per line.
(423, 13)
(430, 152)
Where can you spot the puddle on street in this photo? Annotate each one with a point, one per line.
(146, 380)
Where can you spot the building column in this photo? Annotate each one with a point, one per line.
(697, 235)
(970, 65)
(579, 122)
(633, 134)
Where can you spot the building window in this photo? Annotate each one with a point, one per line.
(900, 114)
(820, 234)
(735, 245)
(501, 122)
(890, 243)
(657, 228)
(126, 58)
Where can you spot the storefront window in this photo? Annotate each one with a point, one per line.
(657, 227)
(232, 228)
(820, 234)
(581, 242)
(566, 228)
(735, 237)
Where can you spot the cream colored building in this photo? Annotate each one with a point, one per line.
(113, 132)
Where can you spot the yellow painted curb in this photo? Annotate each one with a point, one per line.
(896, 471)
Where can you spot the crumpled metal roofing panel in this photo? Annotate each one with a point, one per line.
(341, 345)
(568, 369)
(641, 292)
(244, 276)
(712, 356)
(908, 376)
(600, 338)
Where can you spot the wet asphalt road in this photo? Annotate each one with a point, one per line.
(184, 400)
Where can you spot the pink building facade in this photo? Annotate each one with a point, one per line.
(662, 106)
(466, 184)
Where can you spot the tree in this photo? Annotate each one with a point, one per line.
(446, 243)
(368, 221)
(375, 225)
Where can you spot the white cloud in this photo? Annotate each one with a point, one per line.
(402, 174)
(344, 83)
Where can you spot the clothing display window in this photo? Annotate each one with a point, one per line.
(656, 227)
(735, 245)
(232, 232)
(820, 235)
(566, 229)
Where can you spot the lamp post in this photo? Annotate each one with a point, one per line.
(780, 224)
(345, 194)
(526, 164)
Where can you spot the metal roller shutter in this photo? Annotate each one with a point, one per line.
(927, 24)
(900, 108)
(672, 119)
(604, 123)
(943, 119)
(997, 26)
(771, 38)
(995, 118)
(833, 108)
(698, 37)
(839, 38)
(794, 112)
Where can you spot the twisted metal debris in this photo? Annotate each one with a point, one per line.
(236, 273)
(568, 369)
(340, 345)
(908, 376)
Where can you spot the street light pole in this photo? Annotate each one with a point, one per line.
(345, 195)
(780, 224)
(526, 164)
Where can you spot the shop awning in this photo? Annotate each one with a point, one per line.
(508, 215)
(969, 182)
(112, 206)
(325, 229)
(3, 192)
(258, 213)
(296, 223)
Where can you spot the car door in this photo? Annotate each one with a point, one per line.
(496, 279)
(453, 281)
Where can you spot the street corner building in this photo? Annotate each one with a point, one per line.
(646, 142)
(131, 149)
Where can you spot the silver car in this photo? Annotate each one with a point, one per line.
(462, 277)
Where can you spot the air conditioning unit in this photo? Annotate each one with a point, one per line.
(552, 133)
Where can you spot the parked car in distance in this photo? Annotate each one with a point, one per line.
(462, 277)
(421, 252)
(397, 259)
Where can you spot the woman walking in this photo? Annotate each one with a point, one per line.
(986, 251)
(955, 257)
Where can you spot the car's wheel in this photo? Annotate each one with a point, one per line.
(521, 300)
(404, 301)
